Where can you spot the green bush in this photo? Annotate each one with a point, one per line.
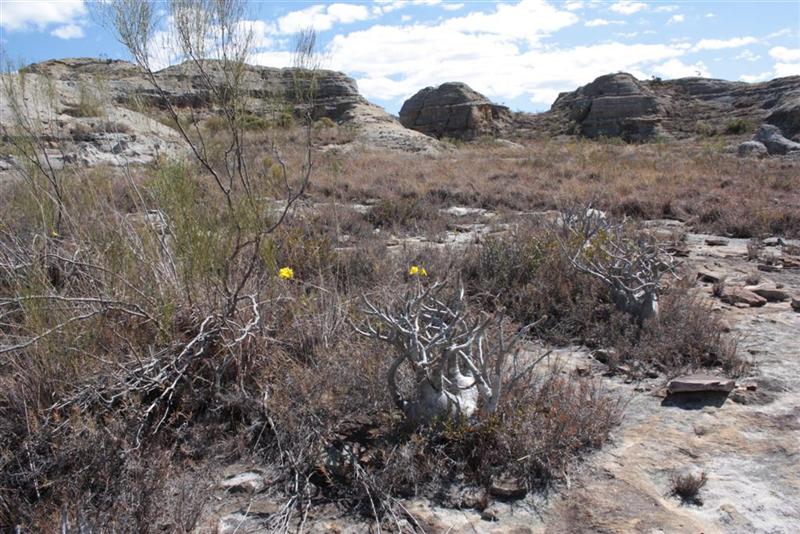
(738, 126)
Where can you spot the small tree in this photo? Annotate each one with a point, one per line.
(630, 264)
(461, 362)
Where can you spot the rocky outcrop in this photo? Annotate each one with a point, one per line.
(619, 105)
(775, 143)
(454, 110)
(786, 116)
(100, 112)
(614, 105)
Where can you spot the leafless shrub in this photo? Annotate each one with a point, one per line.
(754, 249)
(457, 367)
(631, 264)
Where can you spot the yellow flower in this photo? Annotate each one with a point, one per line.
(416, 270)
(286, 273)
(53, 233)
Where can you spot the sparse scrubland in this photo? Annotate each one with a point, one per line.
(160, 321)
(128, 364)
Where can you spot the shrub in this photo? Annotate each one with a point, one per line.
(738, 126)
(687, 486)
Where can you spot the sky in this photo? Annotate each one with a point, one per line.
(520, 53)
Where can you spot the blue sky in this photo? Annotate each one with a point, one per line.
(521, 52)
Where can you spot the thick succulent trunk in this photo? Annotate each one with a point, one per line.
(642, 307)
(431, 402)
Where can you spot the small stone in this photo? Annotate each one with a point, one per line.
(769, 268)
(710, 277)
(796, 304)
(248, 482)
(700, 383)
(716, 242)
(507, 488)
(773, 242)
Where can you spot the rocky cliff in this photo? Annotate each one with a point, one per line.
(95, 111)
(619, 105)
(615, 105)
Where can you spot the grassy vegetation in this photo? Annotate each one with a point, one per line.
(135, 284)
(692, 181)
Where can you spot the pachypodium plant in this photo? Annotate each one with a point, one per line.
(630, 263)
(462, 362)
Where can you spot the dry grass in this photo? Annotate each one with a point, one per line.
(696, 182)
(687, 486)
(302, 393)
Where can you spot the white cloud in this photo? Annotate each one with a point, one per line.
(719, 44)
(710, 15)
(779, 33)
(756, 77)
(781, 53)
(666, 9)
(452, 7)
(747, 55)
(601, 22)
(28, 15)
(322, 17)
(387, 6)
(68, 31)
(528, 20)
(674, 68)
(674, 19)
(787, 69)
(627, 7)
(629, 35)
(391, 62)
(574, 5)
(406, 18)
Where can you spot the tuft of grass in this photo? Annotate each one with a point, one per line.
(687, 486)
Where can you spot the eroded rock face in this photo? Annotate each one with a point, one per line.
(95, 112)
(454, 110)
(614, 105)
(786, 116)
(619, 105)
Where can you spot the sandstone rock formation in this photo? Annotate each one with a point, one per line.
(620, 105)
(614, 105)
(786, 116)
(97, 111)
(770, 136)
(454, 110)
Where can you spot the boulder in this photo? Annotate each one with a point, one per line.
(795, 303)
(770, 136)
(507, 488)
(614, 105)
(740, 295)
(454, 110)
(752, 148)
(786, 116)
(700, 383)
